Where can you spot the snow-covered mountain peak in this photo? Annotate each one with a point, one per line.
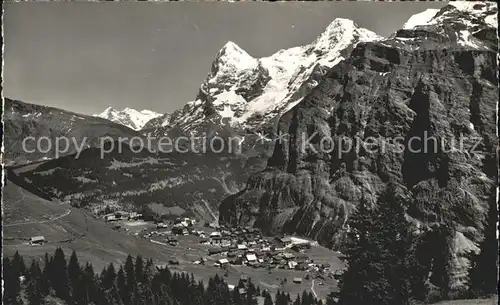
(340, 33)
(129, 117)
(251, 92)
(420, 18)
(468, 13)
(232, 48)
(234, 56)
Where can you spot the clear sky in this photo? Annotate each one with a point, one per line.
(86, 56)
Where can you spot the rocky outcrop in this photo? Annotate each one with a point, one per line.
(426, 81)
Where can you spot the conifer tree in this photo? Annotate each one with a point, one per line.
(46, 274)
(34, 287)
(74, 270)
(60, 275)
(18, 265)
(108, 276)
(139, 269)
(12, 285)
(378, 248)
(121, 285)
(130, 273)
(268, 299)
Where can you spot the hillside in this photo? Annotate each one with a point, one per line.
(22, 120)
(125, 179)
(27, 215)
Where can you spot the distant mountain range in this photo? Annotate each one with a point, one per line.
(22, 120)
(129, 117)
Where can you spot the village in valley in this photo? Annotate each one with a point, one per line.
(235, 252)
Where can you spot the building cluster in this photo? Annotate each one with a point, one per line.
(246, 246)
(122, 215)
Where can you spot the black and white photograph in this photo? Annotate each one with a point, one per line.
(250, 153)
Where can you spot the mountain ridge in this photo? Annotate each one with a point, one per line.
(129, 117)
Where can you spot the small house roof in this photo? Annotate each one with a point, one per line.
(251, 257)
(37, 238)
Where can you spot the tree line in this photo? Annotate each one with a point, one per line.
(392, 261)
(136, 282)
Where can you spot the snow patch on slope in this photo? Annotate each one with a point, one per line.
(420, 18)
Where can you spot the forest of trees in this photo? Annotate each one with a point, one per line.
(388, 264)
(137, 282)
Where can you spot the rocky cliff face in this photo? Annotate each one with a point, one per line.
(436, 78)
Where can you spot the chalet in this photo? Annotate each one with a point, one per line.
(122, 215)
(301, 246)
(172, 241)
(161, 225)
(242, 247)
(297, 280)
(251, 258)
(218, 240)
(325, 267)
(215, 234)
(37, 240)
(237, 261)
(135, 216)
(110, 218)
(292, 264)
(254, 264)
(301, 258)
(161, 267)
(223, 261)
(214, 251)
(220, 251)
(301, 266)
(178, 230)
(230, 287)
(286, 241)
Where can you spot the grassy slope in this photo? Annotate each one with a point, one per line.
(26, 215)
(94, 240)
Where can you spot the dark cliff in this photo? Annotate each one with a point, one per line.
(425, 82)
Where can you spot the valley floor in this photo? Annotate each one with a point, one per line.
(95, 241)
